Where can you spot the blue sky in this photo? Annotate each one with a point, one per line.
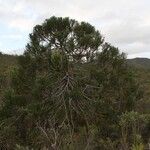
(123, 23)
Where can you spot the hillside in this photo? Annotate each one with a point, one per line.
(7, 62)
(143, 63)
(141, 67)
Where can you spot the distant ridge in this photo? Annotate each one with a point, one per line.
(139, 62)
(7, 62)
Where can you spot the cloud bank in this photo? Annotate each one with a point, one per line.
(124, 23)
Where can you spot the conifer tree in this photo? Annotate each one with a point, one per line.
(69, 89)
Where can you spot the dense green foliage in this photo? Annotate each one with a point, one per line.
(72, 90)
(7, 63)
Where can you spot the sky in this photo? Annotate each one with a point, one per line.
(124, 23)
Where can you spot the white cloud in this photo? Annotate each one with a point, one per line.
(22, 24)
(12, 36)
(124, 23)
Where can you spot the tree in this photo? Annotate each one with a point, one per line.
(69, 84)
(76, 40)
